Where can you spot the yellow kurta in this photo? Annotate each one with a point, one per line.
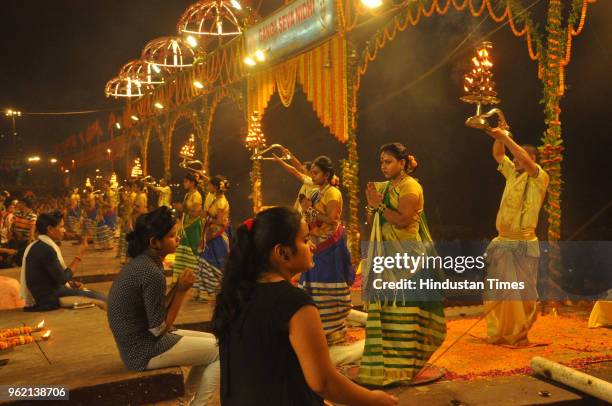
(307, 189)
(75, 200)
(407, 186)
(217, 208)
(514, 256)
(113, 198)
(520, 205)
(165, 196)
(192, 201)
(140, 203)
(324, 197)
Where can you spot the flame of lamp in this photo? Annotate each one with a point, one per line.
(188, 150)
(480, 89)
(136, 169)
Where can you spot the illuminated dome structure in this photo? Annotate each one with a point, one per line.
(145, 73)
(169, 52)
(123, 86)
(207, 20)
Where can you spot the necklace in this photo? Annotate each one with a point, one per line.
(398, 181)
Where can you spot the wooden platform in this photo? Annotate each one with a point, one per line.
(82, 355)
(503, 391)
(82, 351)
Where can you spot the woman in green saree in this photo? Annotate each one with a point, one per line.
(190, 231)
(405, 326)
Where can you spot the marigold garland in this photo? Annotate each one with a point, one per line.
(557, 56)
(389, 32)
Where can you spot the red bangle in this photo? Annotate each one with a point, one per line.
(79, 258)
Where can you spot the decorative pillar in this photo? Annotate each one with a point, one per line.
(128, 152)
(257, 195)
(255, 141)
(350, 167)
(144, 148)
(204, 118)
(165, 137)
(552, 148)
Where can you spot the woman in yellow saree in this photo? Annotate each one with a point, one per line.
(405, 326)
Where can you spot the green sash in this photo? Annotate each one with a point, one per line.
(192, 234)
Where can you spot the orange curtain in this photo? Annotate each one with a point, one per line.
(322, 74)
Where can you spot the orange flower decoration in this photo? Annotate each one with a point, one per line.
(412, 162)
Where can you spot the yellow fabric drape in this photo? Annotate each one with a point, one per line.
(286, 75)
(321, 73)
(601, 316)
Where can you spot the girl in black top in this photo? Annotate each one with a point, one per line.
(271, 342)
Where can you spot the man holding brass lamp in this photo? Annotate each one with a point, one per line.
(513, 256)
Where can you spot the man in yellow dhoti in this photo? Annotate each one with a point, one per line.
(514, 254)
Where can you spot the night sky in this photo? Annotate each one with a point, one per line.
(57, 56)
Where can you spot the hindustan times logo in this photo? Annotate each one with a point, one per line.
(412, 263)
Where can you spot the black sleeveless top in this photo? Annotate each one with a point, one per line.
(258, 363)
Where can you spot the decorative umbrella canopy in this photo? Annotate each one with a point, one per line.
(145, 73)
(168, 52)
(212, 18)
(123, 86)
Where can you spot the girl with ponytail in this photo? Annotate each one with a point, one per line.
(141, 313)
(271, 342)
